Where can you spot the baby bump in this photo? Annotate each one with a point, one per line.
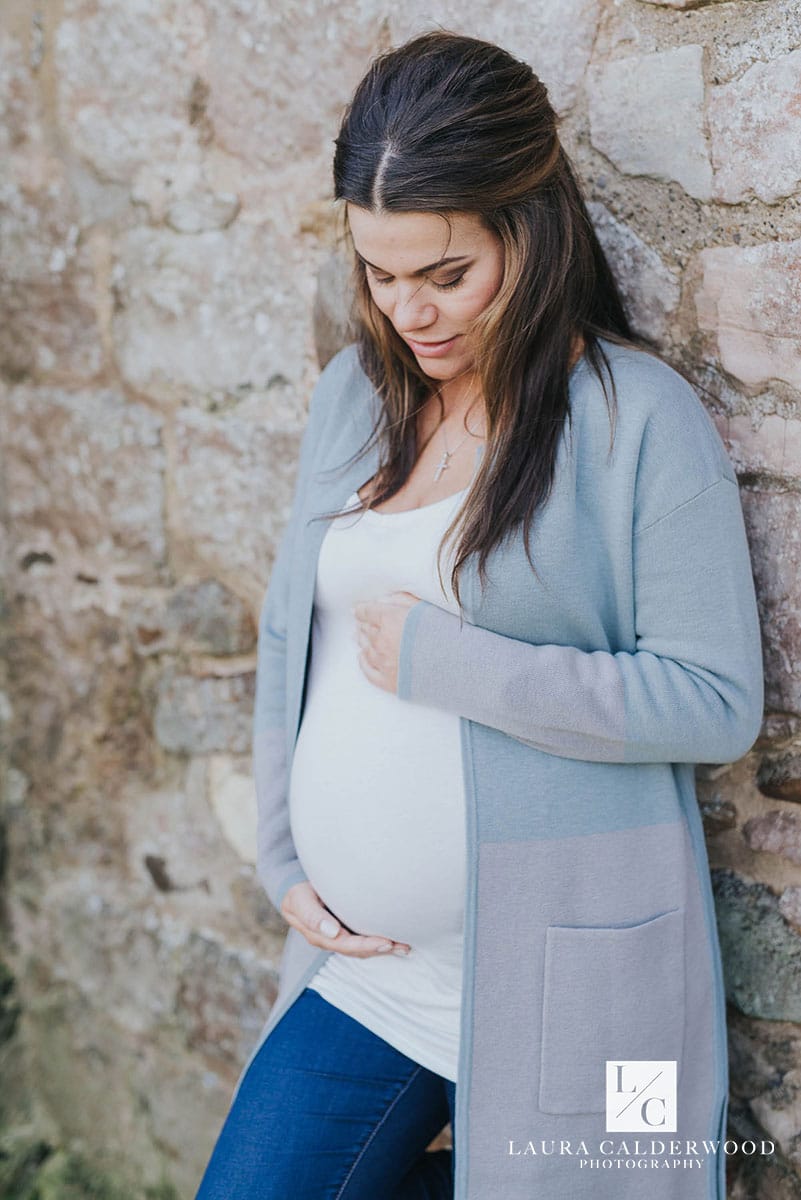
(377, 816)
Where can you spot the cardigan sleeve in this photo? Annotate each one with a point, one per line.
(690, 691)
(277, 863)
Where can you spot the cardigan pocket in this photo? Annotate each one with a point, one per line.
(609, 992)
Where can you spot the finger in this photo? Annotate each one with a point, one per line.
(346, 942)
(370, 671)
(373, 655)
(368, 613)
(318, 919)
(356, 944)
(362, 944)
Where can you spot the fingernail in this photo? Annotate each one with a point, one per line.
(401, 951)
(328, 928)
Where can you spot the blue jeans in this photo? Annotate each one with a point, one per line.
(328, 1110)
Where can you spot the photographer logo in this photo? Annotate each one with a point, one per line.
(640, 1096)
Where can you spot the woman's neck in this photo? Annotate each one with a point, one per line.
(455, 398)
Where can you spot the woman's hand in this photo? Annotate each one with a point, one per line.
(379, 625)
(302, 908)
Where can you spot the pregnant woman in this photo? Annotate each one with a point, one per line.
(512, 608)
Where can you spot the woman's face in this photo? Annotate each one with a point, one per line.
(430, 281)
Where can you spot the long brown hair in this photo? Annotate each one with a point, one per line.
(446, 123)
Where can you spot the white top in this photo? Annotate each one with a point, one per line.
(376, 794)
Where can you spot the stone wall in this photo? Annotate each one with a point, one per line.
(171, 283)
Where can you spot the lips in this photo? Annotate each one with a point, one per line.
(432, 349)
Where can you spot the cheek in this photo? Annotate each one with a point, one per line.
(381, 301)
(480, 297)
(493, 282)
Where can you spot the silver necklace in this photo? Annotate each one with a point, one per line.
(447, 454)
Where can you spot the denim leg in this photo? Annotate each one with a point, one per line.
(328, 1110)
(432, 1176)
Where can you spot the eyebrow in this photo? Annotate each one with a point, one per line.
(442, 262)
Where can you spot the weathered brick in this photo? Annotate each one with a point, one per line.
(646, 115)
(750, 301)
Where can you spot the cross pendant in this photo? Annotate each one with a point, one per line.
(443, 464)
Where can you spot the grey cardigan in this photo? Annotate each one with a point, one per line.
(585, 696)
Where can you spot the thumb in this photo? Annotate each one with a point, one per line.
(320, 918)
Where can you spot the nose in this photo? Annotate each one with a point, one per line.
(411, 312)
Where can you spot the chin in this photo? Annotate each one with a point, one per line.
(443, 368)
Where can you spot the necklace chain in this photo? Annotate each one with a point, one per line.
(447, 455)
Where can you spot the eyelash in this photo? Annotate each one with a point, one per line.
(441, 287)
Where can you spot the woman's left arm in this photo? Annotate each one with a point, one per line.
(691, 691)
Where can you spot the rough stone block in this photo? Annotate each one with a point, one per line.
(650, 290)
(776, 832)
(772, 447)
(84, 476)
(216, 313)
(750, 301)
(125, 75)
(203, 715)
(761, 952)
(279, 76)
(226, 469)
(556, 39)
(682, 4)
(647, 114)
(49, 328)
(773, 521)
(755, 132)
(779, 775)
(197, 618)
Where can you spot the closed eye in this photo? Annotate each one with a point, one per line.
(452, 283)
(442, 287)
